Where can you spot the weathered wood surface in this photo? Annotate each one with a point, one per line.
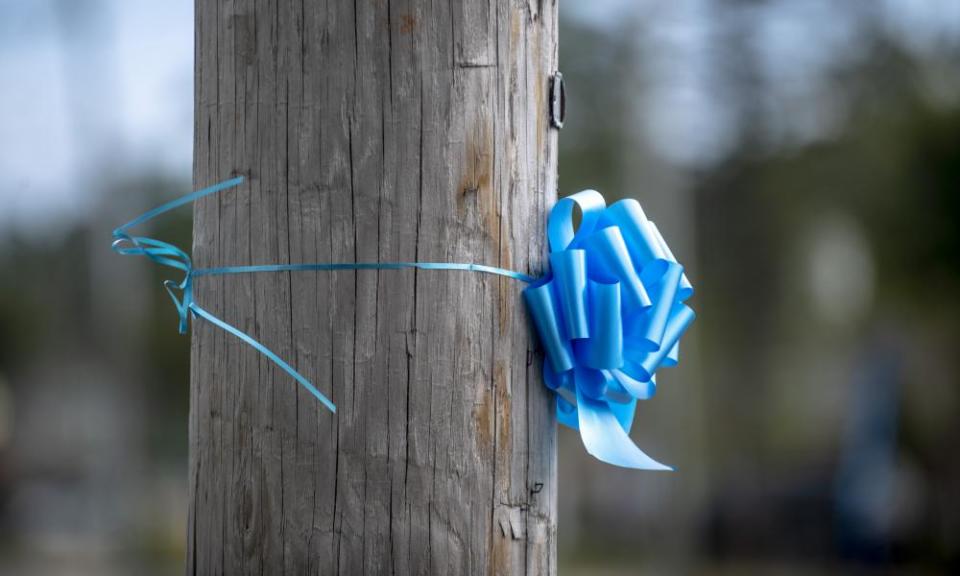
(377, 130)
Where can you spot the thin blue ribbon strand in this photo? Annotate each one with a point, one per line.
(181, 292)
(609, 314)
(363, 266)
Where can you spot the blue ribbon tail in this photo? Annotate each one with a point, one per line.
(266, 352)
(605, 438)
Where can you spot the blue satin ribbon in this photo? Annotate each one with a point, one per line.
(608, 316)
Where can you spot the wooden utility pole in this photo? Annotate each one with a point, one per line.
(375, 130)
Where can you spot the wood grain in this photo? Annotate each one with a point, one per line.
(393, 130)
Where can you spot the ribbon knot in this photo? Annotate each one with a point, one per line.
(164, 254)
(610, 313)
(181, 292)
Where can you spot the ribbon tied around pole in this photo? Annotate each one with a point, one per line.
(609, 314)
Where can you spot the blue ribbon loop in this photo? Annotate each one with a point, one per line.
(182, 292)
(610, 313)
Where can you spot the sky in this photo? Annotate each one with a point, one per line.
(92, 88)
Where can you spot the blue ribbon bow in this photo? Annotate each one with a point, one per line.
(611, 313)
(604, 327)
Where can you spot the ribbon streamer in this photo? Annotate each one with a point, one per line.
(610, 314)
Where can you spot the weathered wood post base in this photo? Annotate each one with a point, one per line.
(392, 130)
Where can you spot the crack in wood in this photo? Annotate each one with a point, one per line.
(389, 131)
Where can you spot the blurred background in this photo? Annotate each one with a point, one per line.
(801, 156)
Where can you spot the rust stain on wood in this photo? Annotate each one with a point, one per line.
(501, 387)
(507, 294)
(504, 313)
(483, 417)
(475, 188)
(407, 23)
